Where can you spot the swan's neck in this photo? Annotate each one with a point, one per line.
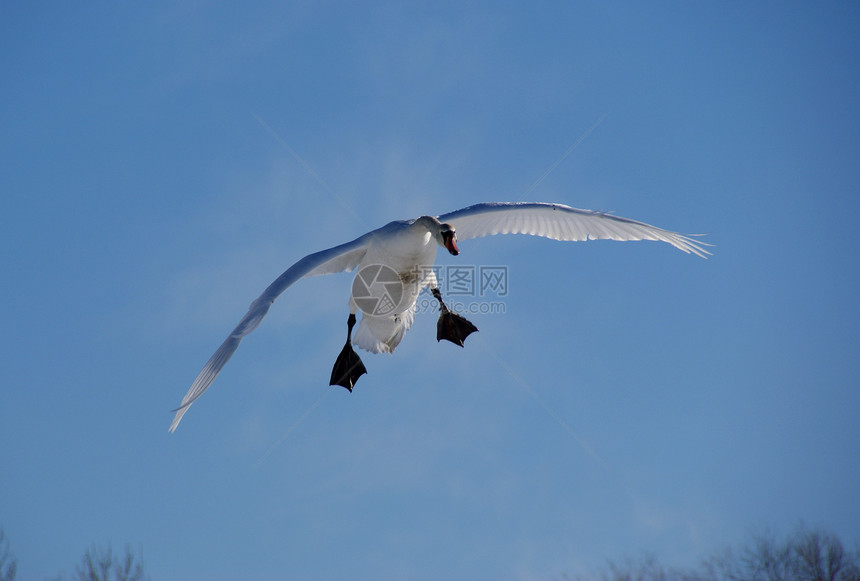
(432, 225)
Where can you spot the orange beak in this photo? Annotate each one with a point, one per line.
(450, 241)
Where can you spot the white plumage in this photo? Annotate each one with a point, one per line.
(409, 247)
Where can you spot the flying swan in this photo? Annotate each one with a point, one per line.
(395, 263)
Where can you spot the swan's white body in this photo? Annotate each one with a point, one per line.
(409, 248)
(406, 247)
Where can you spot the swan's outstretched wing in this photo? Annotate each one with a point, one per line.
(559, 222)
(344, 257)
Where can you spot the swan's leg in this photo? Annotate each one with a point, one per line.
(450, 325)
(348, 366)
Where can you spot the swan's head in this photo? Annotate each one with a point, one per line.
(449, 238)
(444, 234)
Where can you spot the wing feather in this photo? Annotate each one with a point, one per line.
(338, 259)
(560, 222)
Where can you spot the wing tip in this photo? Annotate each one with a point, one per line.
(691, 246)
(176, 419)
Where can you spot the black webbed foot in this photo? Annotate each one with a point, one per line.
(451, 326)
(348, 366)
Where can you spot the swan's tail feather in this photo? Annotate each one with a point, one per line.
(382, 334)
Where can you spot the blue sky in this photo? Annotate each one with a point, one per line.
(161, 164)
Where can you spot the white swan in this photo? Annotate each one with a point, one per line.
(394, 265)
